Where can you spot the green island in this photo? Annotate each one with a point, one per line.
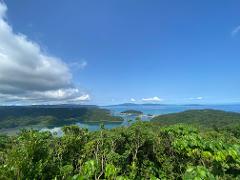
(52, 116)
(184, 146)
(131, 112)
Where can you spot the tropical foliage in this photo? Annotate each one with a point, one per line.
(140, 151)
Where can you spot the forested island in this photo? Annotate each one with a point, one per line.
(51, 116)
(177, 148)
(131, 112)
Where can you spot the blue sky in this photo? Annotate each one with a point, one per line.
(137, 50)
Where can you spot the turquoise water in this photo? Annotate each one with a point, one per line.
(149, 110)
(166, 109)
(155, 110)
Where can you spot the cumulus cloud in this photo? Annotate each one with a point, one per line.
(235, 31)
(197, 98)
(152, 99)
(28, 74)
(133, 100)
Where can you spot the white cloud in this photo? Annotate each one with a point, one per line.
(197, 98)
(3, 9)
(235, 31)
(28, 74)
(51, 97)
(153, 99)
(78, 65)
(133, 100)
(85, 97)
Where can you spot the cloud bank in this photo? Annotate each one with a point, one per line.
(152, 99)
(29, 75)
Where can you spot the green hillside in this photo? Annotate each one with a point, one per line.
(205, 118)
(49, 116)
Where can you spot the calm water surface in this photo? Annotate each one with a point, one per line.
(147, 110)
(150, 110)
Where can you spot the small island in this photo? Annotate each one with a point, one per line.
(132, 112)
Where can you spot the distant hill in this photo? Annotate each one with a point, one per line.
(153, 104)
(52, 115)
(133, 104)
(60, 106)
(205, 118)
(124, 104)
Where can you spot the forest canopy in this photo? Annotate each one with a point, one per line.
(144, 150)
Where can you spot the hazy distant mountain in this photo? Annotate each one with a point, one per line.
(151, 104)
(63, 106)
(124, 104)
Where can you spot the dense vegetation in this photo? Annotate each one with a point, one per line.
(132, 112)
(205, 118)
(144, 150)
(49, 116)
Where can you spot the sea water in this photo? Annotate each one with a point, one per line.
(148, 112)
